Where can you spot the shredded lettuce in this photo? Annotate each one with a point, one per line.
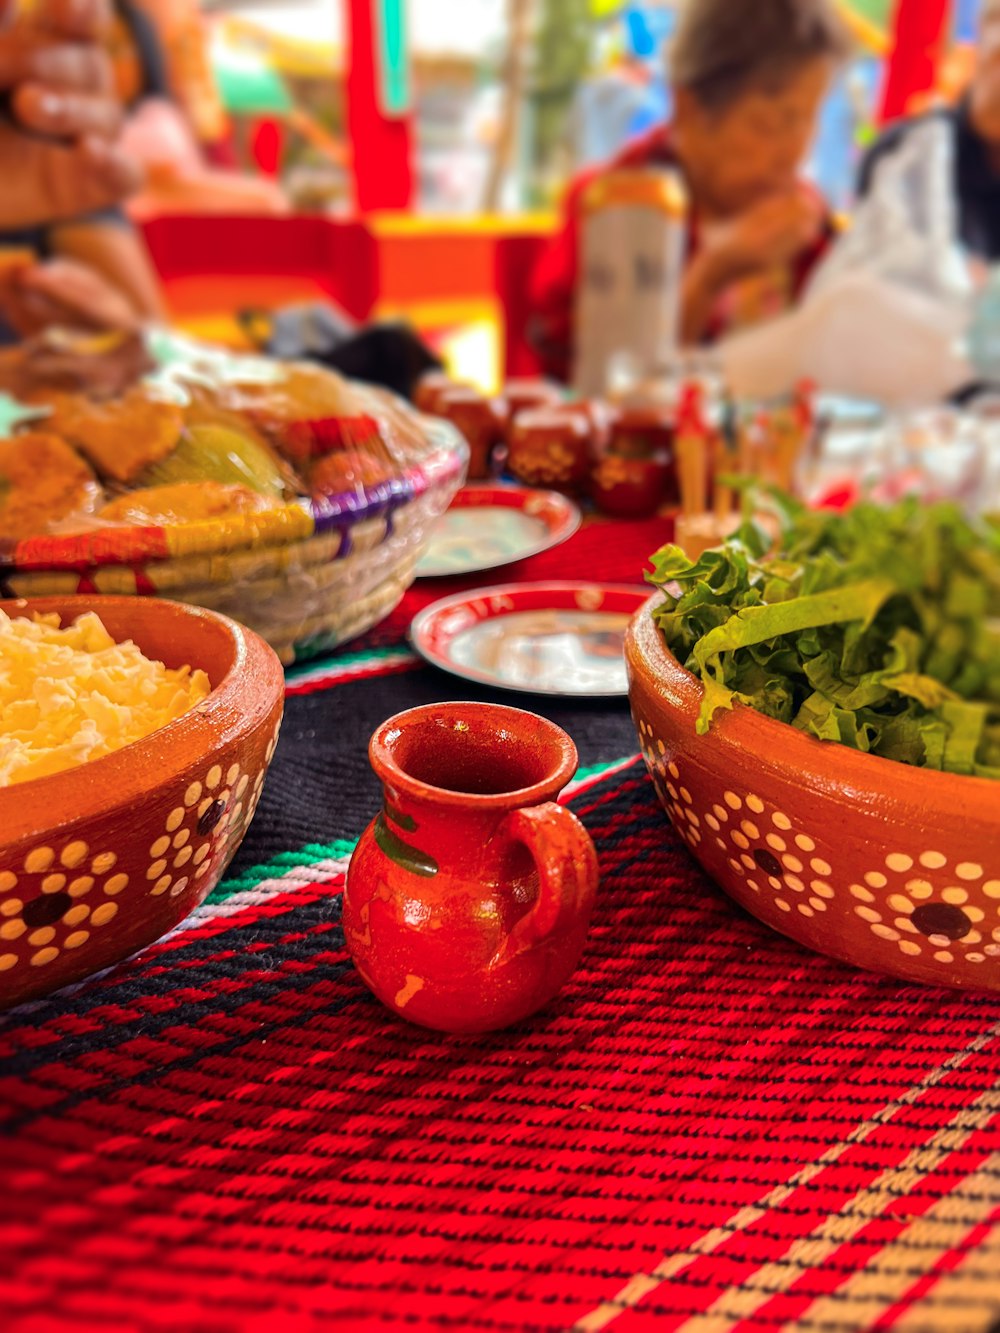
(877, 628)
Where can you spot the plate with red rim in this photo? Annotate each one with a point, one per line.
(491, 526)
(562, 639)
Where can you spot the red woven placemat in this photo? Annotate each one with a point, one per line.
(710, 1129)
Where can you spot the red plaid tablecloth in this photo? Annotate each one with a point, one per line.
(709, 1130)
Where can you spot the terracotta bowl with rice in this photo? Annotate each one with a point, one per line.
(135, 735)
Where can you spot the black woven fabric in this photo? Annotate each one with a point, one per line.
(321, 788)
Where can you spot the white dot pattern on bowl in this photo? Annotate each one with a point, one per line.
(912, 901)
(38, 860)
(51, 906)
(967, 871)
(73, 854)
(56, 909)
(199, 832)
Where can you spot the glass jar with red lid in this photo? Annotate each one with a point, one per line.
(637, 474)
(527, 395)
(483, 422)
(551, 448)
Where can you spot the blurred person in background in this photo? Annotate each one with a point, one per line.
(68, 254)
(975, 125)
(747, 94)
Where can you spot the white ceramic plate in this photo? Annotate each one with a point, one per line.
(490, 526)
(564, 639)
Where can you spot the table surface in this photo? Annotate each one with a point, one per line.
(710, 1129)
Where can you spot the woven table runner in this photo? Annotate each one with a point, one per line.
(709, 1129)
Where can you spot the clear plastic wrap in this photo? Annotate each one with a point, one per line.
(885, 316)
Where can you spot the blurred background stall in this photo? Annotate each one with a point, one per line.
(407, 157)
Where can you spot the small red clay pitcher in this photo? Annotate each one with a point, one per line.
(469, 897)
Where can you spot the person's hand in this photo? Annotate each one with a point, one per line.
(772, 232)
(57, 135)
(62, 293)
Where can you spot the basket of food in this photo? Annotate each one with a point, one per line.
(278, 493)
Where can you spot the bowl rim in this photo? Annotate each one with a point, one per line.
(244, 696)
(389, 770)
(745, 729)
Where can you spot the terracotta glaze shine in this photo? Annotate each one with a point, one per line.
(101, 860)
(469, 897)
(879, 864)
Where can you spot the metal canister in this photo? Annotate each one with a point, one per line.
(633, 244)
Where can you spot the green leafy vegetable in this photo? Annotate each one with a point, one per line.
(877, 628)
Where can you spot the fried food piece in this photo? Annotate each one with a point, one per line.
(187, 502)
(12, 372)
(211, 407)
(120, 437)
(308, 393)
(41, 482)
(316, 411)
(343, 471)
(220, 454)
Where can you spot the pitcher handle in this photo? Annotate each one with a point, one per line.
(566, 861)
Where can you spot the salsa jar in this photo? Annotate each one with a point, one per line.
(483, 422)
(551, 448)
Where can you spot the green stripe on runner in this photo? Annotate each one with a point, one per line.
(341, 850)
(281, 865)
(366, 658)
(595, 770)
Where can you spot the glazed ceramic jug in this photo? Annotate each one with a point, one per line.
(469, 897)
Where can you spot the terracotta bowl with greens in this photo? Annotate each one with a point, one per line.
(821, 729)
